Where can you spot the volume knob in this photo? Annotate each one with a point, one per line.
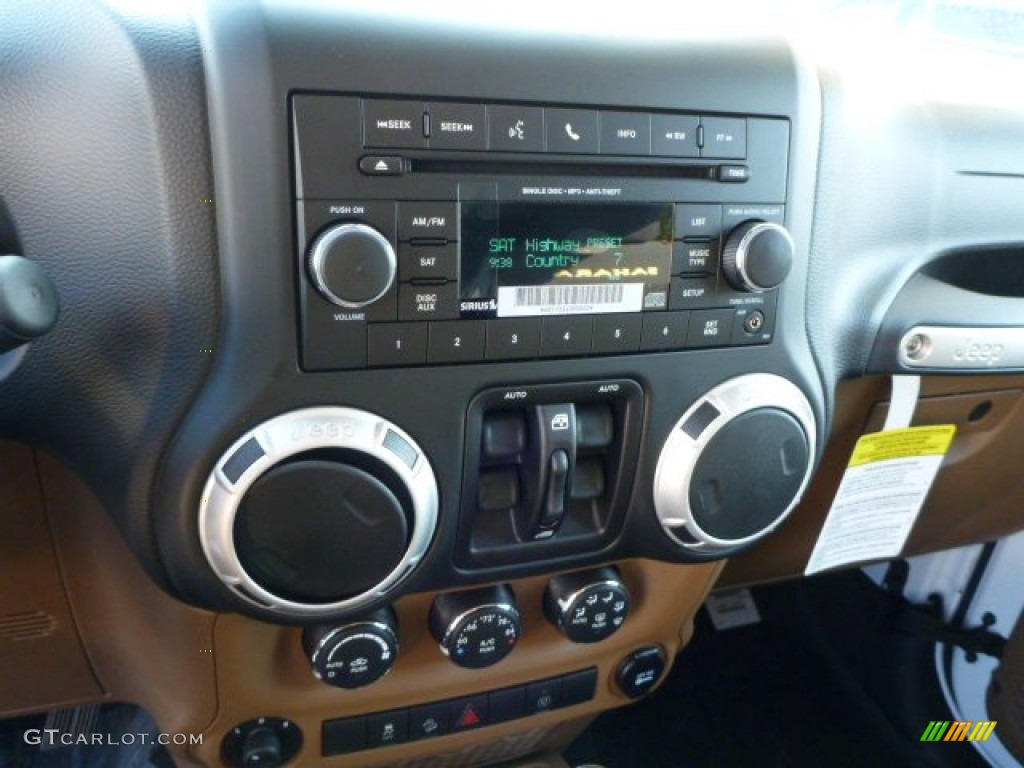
(352, 265)
(757, 256)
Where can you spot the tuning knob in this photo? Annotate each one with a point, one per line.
(758, 256)
(352, 265)
(353, 655)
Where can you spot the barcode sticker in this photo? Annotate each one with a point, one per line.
(532, 300)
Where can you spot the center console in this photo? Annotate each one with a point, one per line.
(513, 355)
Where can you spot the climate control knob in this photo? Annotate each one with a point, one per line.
(352, 265)
(757, 256)
(477, 628)
(356, 654)
(588, 606)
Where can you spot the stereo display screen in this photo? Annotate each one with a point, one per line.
(529, 259)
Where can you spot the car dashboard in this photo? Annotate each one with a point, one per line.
(415, 380)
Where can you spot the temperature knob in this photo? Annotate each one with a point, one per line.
(356, 654)
(477, 628)
(757, 256)
(352, 265)
(588, 606)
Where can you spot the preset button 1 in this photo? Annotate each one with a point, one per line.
(397, 344)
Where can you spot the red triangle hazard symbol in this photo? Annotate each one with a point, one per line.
(469, 717)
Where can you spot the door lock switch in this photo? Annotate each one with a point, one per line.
(554, 461)
(554, 504)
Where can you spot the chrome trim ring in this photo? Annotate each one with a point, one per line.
(298, 432)
(743, 246)
(681, 452)
(318, 255)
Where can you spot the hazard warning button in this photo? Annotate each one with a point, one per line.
(469, 712)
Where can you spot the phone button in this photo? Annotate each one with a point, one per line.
(572, 131)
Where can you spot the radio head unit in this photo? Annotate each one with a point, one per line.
(473, 251)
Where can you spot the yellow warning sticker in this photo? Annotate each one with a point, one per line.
(903, 444)
(880, 496)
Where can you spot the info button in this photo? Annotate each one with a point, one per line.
(625, 133)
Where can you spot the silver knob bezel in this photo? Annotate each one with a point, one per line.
(735, 257)
(681, 452)
(322, 246)
(298, 432)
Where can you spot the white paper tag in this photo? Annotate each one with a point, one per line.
(880, 496)
(732, 608)
(902, 402)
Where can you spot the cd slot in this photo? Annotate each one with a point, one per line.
(520, 167)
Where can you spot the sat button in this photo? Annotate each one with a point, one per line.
(421, 262)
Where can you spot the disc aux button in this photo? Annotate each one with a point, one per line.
(428, 302)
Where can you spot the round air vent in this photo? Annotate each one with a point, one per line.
(736, 464)
(318, 512)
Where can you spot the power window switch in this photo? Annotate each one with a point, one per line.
(504, 435)
(499, 489)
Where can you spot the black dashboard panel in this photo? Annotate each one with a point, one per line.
(264, 59)
(105, 181)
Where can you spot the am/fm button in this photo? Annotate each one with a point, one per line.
(426, 220)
